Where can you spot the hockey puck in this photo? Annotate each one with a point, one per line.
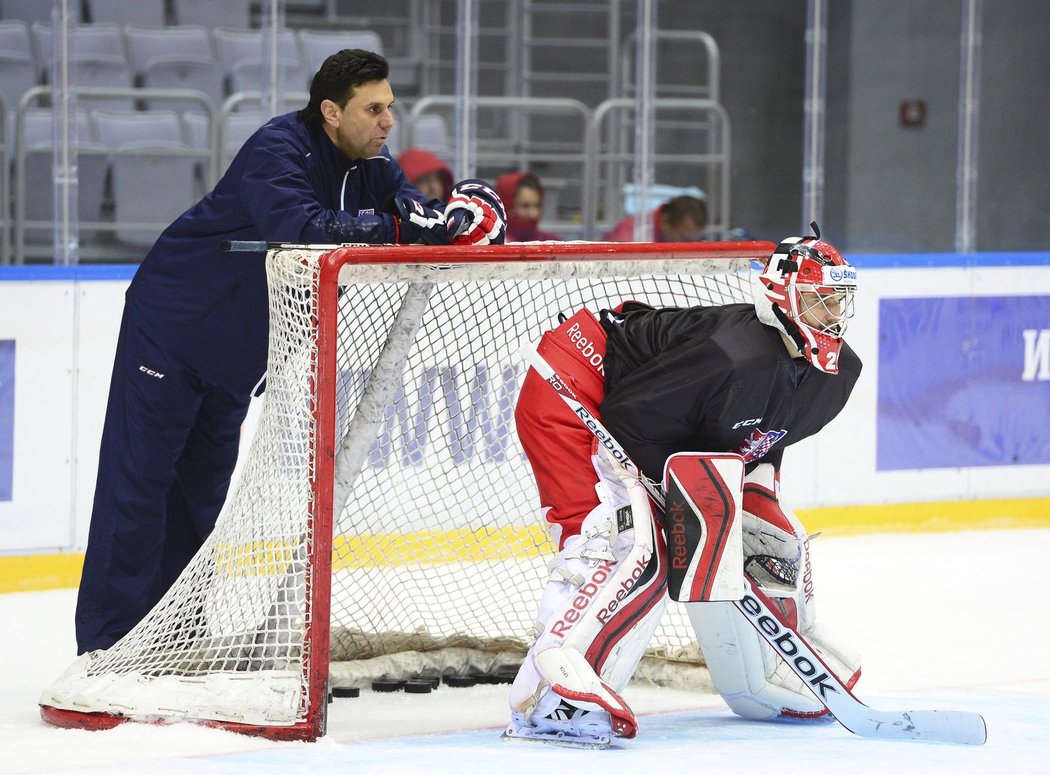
(418, 686)
(484, 678)
(387, 685)
(458, 681)
(506, 675)
(433, 680)
(346, 691)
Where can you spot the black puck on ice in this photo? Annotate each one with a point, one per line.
(433, 680)
(418, 686)
(506, 675)
(387, 685)
(458, 680)
(346, 691)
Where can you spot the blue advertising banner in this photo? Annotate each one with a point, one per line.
(7, 417)
(963, 381)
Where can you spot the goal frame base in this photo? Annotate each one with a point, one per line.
(305, 731)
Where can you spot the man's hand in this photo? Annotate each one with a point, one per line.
(419, 223)
(475, 215)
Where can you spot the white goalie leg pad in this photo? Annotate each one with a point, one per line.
(751, 678)
(604, 600)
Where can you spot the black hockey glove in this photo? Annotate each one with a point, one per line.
(418, 223)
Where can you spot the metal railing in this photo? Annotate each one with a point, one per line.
(21, 152)
(711, 155)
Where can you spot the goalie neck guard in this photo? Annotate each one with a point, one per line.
(806, 290)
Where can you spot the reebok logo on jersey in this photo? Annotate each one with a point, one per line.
(586, 348)
(151, 372)
(369, 211)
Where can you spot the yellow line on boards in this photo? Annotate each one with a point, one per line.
(936, 517)
(36, 572)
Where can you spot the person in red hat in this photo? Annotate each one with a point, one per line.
(522, 192)
(424, 170)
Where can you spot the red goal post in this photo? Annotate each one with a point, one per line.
(385, 523)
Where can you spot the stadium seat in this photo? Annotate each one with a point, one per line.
(318, 45)
(431, 133)
(18, 70)
(100, 60)
(30, 11)
(154, 179)
(117, 129)
(38, 200)
(244, 62)
(211, 13)
(175, 58)
(144, 12)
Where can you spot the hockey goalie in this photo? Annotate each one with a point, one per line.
(719, 391)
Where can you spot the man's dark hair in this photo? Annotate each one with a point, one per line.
(340, 74)
(681, 207)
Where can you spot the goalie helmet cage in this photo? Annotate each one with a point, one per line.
(385, 523)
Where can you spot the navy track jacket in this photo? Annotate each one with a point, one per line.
(288, 183)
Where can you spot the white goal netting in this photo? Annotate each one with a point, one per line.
(390, 393)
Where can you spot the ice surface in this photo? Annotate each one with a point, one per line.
(944, 621)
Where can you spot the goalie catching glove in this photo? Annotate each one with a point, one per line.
(475, 215)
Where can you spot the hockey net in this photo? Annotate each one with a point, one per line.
(386, 522)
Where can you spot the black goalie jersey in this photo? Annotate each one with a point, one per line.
(712, 379)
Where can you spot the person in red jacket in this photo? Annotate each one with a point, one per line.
(522, 193)
(427, 173)
(680, 219)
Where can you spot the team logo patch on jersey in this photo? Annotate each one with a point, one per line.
(758, 444)
(369, 211)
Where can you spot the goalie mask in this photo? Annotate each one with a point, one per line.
(806, 290)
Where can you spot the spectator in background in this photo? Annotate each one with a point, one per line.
(522, 193)
(427, 173)
(679, 219)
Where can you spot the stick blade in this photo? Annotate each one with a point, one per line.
(946, 726)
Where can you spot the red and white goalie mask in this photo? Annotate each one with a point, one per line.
(806, 290)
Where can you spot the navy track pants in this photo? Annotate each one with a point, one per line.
(169, 447)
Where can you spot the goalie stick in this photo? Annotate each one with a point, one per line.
(947, 726)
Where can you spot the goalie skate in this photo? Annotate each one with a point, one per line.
(566, 725)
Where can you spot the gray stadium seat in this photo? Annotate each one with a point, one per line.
(145, 12)
(30, 11)
(153, 180)
(244, 61)
(118, 129)
(18, 70)
(234, 131)
(100, 60)
(430, 133)
(212, 13)
(175, 58)
(91, 167)
(318, 45)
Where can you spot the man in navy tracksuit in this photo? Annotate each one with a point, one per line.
(193, 339)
